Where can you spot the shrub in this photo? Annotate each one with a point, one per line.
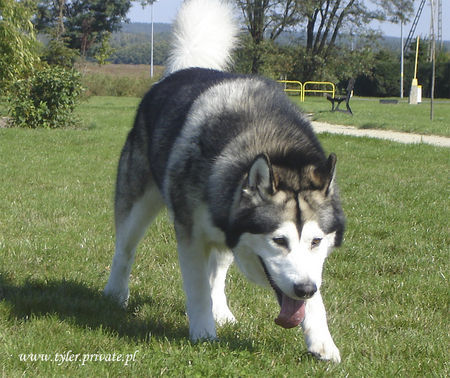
(46, 99)
(18, 45)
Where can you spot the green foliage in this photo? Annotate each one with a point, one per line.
(18, 45)
(46, 99)
(322, 21)
(443, 76)
(57, 53)
(293, 61)
(84, 22)
(383, 80)
(105, 50)
(276, 61)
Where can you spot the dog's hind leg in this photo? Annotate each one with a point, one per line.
(137, 203)
(219, 262)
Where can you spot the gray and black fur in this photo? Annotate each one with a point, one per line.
(244, 178)
(275, 127)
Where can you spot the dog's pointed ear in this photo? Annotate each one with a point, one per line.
(260, 176)
(331, 175)
(322, 177)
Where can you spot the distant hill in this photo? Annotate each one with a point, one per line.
(158, 28)
(394, 43)
(387, 42)
(132, 42)
(145, 28)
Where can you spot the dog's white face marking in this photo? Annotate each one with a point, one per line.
(290, 258)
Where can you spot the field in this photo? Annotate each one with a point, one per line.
(385, 289)
(118, 79)
(127, 70)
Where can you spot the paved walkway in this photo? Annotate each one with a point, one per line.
(396, 136)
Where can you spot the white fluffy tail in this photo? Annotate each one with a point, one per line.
(204, 34)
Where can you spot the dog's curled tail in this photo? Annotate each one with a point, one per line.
(204, 34)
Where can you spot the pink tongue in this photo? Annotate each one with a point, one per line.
(292, 312)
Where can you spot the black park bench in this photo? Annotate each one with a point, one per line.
(337, 100)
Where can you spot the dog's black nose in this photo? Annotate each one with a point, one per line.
(305, 290)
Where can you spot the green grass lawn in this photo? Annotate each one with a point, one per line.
(368, 113)
(385, 289)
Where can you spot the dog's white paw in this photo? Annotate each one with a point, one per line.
(202, 334)
(202, 326)
(120, 296)
(325, 350)
(223, 317)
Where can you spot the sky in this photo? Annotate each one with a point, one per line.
(165, 11)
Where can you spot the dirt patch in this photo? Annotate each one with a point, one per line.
(4, 122)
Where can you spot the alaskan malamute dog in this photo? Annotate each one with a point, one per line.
(243, 177)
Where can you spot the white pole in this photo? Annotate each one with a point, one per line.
(401, 60)
(151, 49)
(433, 59)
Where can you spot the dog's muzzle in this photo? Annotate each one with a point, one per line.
(292, 311)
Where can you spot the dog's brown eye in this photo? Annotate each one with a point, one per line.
(315, 242)
(281, 241)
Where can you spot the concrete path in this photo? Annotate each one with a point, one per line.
(396, 136)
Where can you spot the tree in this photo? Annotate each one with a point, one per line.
(88, 20)
(144, 3)
(18, 43)
(49, 19)
(105, 50)
(382, 80)
(263, 17)
(85, 22)
(324, 22)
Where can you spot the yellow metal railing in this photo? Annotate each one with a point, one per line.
(289, 86)
(325, 84)
(293, 86)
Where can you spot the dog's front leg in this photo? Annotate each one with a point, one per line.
(194, 269)
(219, 262)
(315, 327)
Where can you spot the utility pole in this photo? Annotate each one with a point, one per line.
(401, 59)
(151, 47)
(433, 58)
(439, 22)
